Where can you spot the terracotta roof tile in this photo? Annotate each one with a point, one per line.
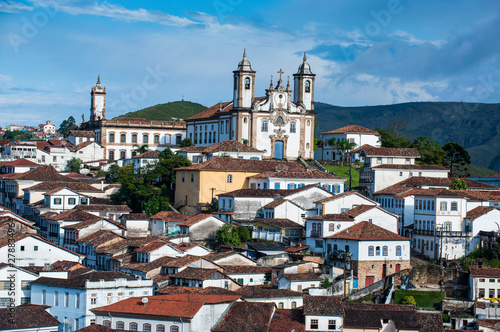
(411, 167)
(266, 291)
(21, 162)
(195, 273)
(80, 280)
(215, 256)
(28, 316)
(42, 173)
(246, 269)
(150, 154)
(145, 267)
(244, 165)
(352, 129)
(288, 320)
(82, 133)
(365, 231)
(279, 222)
(496, 175)
(213, 111)
(182, 261)
(484, 272)
(224, 146)
(170, 215)
(302, 276)
(98, 238)
(479, 211)
(247, 316)
(196, 219)
(323, 305)
(152, 246)
(104, 207)
(74, 215)
(372, 151)
(135, 216)
(88, 222)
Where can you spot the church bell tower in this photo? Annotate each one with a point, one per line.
(97, 101)
(244, 84)
(304, 85)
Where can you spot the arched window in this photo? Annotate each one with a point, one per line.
(370, 251)
(123, 138)
(292, 127)
(111, 137)
(160, 328)
(294, 305)
(447, 226)
(308, 86)
(385, 251)
(133, 326)
(377, 251)
(229, 178)
(398, 250)
(146, 327)
(280, 305)
(120, 325)
(145, 138)
(279, 121)
(106, 323)
(174, 328)
(247, 83)
(134, 138)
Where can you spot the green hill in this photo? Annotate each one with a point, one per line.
(475, 126)
(167, 111)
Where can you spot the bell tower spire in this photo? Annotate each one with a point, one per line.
(304, 85)
(97, 101)
(244, 84)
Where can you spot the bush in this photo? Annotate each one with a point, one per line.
(423, 299)
(409, 300)
(244, 233)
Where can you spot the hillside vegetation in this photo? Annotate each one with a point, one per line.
(167, 111)
(474, 126)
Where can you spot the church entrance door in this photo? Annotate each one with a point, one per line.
(278, 149)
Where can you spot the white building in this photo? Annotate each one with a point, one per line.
(72, 299)
(483, 283)
(352, 133)
(342, 202)
(299, 281)
(28, 318)
(281, 123)
(233, 149)
(16, 285)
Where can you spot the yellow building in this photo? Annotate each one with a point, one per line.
(198, 184)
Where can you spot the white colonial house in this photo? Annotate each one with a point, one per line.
(76, 137)
(323, 313)
(72, 299)
(232, 149)
(352, 133)
(374, 252)
(34, 250)
(19, 166)
(201, 227)
(384, 167)
(342, 203)
(299, 281)
(248, 275)
(136, 223)
(156, 249)
(282, 298)
(15, 285)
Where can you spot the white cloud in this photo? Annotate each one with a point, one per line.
(14, 7)
(412, 40)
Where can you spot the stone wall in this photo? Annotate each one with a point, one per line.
(362, 269)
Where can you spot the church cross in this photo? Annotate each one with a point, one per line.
(280, 72)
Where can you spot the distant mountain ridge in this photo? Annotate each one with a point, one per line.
(475, 126)
(176, 109)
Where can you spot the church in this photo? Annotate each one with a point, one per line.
(281, 123)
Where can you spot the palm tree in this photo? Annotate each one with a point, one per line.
(141, 149)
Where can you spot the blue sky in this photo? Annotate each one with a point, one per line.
(150, 52)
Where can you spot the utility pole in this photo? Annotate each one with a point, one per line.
(212, 189)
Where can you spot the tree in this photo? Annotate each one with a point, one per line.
(409, 300)
(431, 153)
(243, 233)
(227, 235)
(67, 125)
(74, 165)
(141, 149)
(186, 142)
(456, 159)
(459, 184)
(18, 135)
(389, 140)
(326, 283)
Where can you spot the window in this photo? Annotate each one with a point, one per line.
(120, 325)
(77, 301)
(408, 161)
(72, 200)
(331, 227)
(292, 127)
(346, 248)
(294, 305)
(57, 201)
(389, 160)
(319, 244)
(385, 251)
(44, 296)
(229, 178)
(133, 326)
(25, 285)
(377, 251)
(400, 173)
(314, 324)
(93, 298)
(280, 305)
(111, 137)
(109, 298)
(145, 138)
(398, 250)
(111, 155)
(122, 154)
(56, 298)
(106, 323)
(481, 292)
(454, 206)
(192, 177)
(35, 248)
(264, 126)
(308, 86)
(66, 299)
(123, 138)
(157, 139)
(332, 324)
(160, 328)
(247, 83)
(134, 138)
(443, 206)
(183, 177)
(146, 327)
(370, 251)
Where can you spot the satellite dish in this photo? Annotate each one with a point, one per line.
(145, 300)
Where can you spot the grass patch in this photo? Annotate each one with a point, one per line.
(343, 171)
(424, 299)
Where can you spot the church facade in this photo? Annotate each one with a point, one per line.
(120, 137)
(281, 123)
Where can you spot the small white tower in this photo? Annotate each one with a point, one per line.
(98, 102)
(244, 84)
(304, 86)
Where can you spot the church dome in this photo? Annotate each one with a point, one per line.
(304, 67)
(244, 64)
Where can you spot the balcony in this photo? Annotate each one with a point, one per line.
(53, 234)
(423, 232)
(316, 234)
(453, 234)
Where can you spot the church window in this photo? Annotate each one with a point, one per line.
(229, 178)
(145, 138)
(279, 121)
(111, 137)
(134, 138)
(247, 83)
(123, 138)
(111, 155)
(245, 120)
(308, 123)
(292, 127)
(264, 125)
(308, 86)
(157, 139)
(307, 146)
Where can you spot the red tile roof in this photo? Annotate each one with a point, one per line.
(21, 162)
(195, 273)
(288, 320)
(323, 306)
(244, 165)
(135, 216)
(279, 222)
(98, 238)
(150, 154)
(152, 246)
(42, 173)
(213, 111)
(246, 269)
(479, 211)
(416, 167)
(170, 215)
(365, 231)
(82, 133)
(266, 291)
(145, 267)
(372, 151)
(28, 316)
(88, 222)
(352, 129)
(247, 316)
(182, 261)
(302, 276)
(305, 174)
(195, 219)
(224, 146)
(476, 272)
(173, 305)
